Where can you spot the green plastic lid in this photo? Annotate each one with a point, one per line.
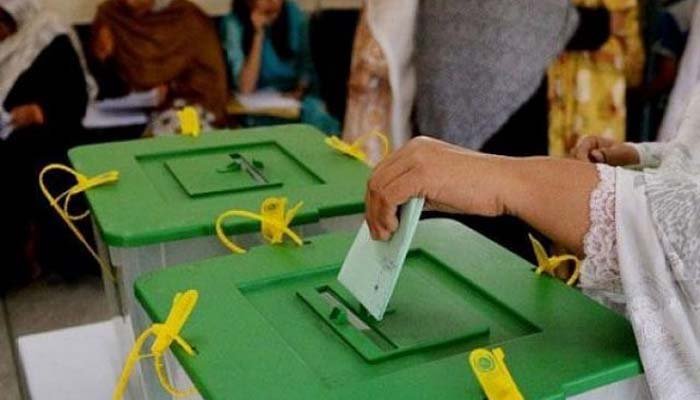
(274, 323)
(173, 188)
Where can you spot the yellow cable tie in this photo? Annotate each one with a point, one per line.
(355, 149)
(189, 122)
(549, 265)
(165, 334)
(61, 204)
(492, 373)
(274, 218)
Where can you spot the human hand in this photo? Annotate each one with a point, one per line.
(103, 44)
(606, 151)
(297, 93)
(27, 115)
(162, 92)
(450, 178)
(260, 20)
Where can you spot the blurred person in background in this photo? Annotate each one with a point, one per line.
(168, 45)
(44, 91)
(267, 46)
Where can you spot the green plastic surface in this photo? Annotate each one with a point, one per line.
(263, 330)
(173, 188)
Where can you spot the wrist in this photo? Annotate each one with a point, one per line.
(491, 188)
(511, 184)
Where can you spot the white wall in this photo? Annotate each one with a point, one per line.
(82, 11)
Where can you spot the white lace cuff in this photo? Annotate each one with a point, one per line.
(600, 272)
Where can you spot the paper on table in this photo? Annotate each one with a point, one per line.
(266, 100)
(371, 268)
(132, 101)
(96, 118)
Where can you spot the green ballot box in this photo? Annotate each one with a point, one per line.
(163, 208)
(276, 324)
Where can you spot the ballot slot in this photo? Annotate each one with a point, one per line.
(183, 176)
(342, 313)
(220, 173)
(409, 325)
(254, 169)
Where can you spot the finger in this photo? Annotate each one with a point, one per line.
(381, 211)
(395, 194)
(370, 221)
(386, 173)
(619, 155)
(598, 156)
(584, 148)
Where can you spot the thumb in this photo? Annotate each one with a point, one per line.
(619, 155)
(598, 156)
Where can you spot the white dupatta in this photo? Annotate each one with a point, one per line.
(658, 238)
(36, 29)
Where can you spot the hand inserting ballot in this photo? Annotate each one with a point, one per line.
(450, 178)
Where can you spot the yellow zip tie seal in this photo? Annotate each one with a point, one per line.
(549, 265)
(274, 218)
(355, 149)
(492, 373)
(189, 122)
(165, 334)
(83, 184)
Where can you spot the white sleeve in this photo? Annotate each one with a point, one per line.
(650, 154)
(688, 135)
(689, 130)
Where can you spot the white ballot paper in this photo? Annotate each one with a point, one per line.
(371, 268)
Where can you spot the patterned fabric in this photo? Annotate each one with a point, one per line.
(587, 89)
(600, 271)
(369, 97)
(167, 122)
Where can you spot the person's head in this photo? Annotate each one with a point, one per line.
(142, 7)
(279, 27)
(8, 26)
(270, 8)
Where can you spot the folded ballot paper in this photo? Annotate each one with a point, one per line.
(371, 268)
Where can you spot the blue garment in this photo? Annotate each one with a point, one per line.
(280, 73)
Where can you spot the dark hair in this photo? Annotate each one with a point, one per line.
(6, 19)
(279, 31)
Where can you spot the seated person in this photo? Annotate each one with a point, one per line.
(267, 46)
(638, 230)
(43, 97)
(166, 44)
